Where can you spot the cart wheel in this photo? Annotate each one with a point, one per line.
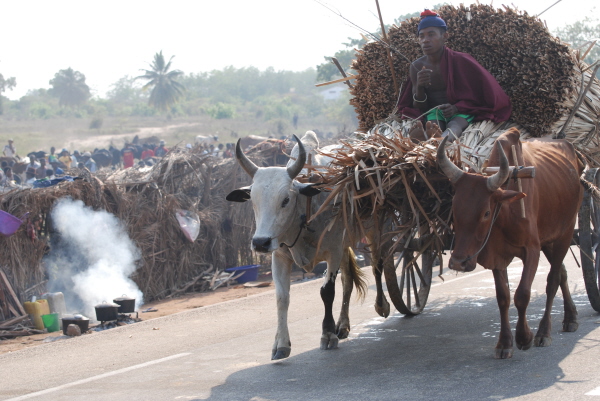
(589, 226)
(409, 292)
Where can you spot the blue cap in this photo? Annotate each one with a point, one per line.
(429, 19)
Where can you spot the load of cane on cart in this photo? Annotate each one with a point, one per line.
(391, 187)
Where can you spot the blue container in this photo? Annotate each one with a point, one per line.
(250, 273)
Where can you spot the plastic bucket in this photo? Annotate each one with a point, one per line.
(51, 322)
(250, 273)
(9, 224)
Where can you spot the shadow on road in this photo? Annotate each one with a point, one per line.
(446, 353)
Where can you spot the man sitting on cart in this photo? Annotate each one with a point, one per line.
(449, 89)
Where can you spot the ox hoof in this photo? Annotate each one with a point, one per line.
(281, 353)
(570, 326)
(383, 310)
(525, 347)
(342, 332)
(504, 353)
(329, 341)
(542, 341)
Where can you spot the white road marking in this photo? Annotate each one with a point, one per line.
(595, 391)
(460, 278)
(98, 377)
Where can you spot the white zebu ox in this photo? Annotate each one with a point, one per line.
(280, 205)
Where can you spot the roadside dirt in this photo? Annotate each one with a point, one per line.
(100, 141)
(163, 308)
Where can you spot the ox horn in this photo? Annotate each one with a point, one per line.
(448, 168)
(494, 182)
(246, 163)
(298, 165)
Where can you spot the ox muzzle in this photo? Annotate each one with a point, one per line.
(262, 244)
(463, 265)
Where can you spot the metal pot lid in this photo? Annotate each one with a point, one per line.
(124, 297)
(75, 317)
(107, 305)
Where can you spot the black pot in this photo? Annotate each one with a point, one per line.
(126, 304)
(82, 322)
(106, 312)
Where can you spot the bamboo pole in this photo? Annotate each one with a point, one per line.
(389, 54)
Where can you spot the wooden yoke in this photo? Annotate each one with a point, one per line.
(519, 184)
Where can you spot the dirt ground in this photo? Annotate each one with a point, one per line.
(163, 308)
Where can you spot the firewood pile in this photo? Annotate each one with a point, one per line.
(543, 76)
(146, 202)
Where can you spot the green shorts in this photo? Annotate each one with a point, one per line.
(436, 114)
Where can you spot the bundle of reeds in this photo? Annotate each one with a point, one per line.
(389, 177)
(542, 75)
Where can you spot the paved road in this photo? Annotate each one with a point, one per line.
(222, 352)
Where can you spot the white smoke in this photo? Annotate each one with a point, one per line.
(92, 257)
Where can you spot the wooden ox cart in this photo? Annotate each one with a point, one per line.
(391, 187)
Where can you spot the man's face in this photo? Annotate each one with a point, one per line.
(431, 40)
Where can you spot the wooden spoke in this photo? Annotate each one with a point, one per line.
(589, 215)
(409, 292)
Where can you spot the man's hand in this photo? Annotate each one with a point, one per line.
(448, 110)
(424, 77)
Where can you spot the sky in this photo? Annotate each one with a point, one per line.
(107, 40)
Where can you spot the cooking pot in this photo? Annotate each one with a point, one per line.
(126, 304)
(106, 312)
(81, 321)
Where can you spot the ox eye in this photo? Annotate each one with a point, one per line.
(285, 201)
(487, 214)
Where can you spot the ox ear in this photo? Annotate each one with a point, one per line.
(308, 190)
(239, 195)
(501, 195)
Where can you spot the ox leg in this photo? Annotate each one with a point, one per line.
(329, 339)
(570, 322)
(382, 306)
(504, 348)
(523, 334)
(281, 268)
(557, 277)
(342, 328)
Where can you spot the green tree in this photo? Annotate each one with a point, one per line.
(70, 88)
(6, 84)
(166, 91)
(581, 35)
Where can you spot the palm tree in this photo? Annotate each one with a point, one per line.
(165, 88)
(70, 88)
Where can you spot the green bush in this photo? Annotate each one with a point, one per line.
(220, 111)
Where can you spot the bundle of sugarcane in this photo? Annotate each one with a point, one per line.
(539, 72)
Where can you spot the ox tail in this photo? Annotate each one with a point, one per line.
(584, 167)
(591, 188)
(357, 275)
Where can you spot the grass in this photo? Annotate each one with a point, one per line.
(75, 133)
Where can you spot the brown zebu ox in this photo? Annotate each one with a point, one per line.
(552, 200)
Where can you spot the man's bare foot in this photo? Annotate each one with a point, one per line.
(416, 132)
(433, 130)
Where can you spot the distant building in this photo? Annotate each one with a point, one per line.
(333, 92)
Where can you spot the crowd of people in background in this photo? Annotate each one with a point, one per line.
(39, 167)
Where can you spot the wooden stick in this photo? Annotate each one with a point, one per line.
(12, 293)
(348, 78)
(7, 324)
(522, 172)
(519, 184)
(389, 54)
(339, 67)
